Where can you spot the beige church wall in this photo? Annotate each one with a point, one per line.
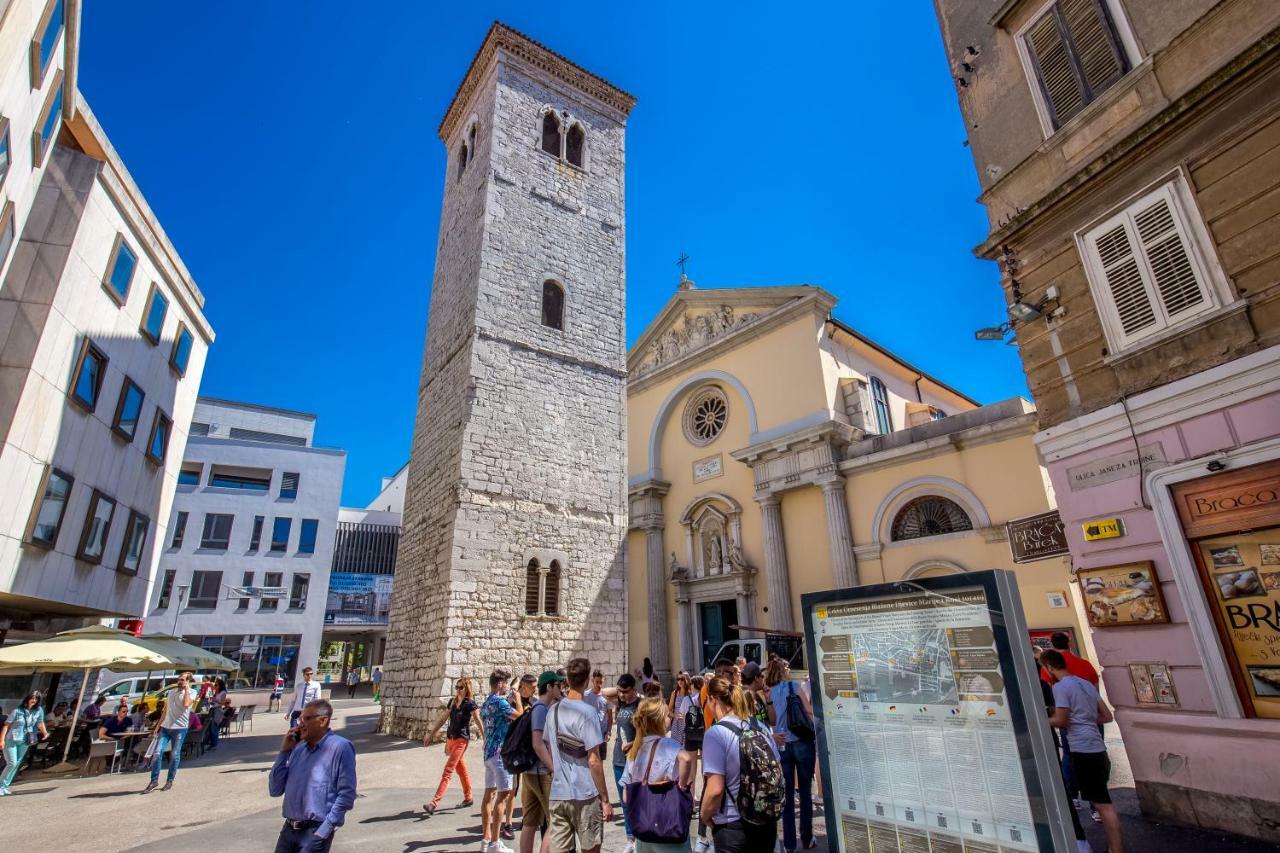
(779, 370)
(804, 524)
(637, 602)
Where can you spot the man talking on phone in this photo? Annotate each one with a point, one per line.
(316, 773)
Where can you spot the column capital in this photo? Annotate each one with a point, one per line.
(832, 482)
(768, 499)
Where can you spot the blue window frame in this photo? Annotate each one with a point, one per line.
(153, 320)
(128, 410)
(44, 43)
(90, 370)
(280, 534)
(48, 124)
(880, 398)
(307, 536)
(181, 354)
(120, 270)
(189, 477)
(6, 152)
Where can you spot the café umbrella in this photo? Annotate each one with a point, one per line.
(89, 648)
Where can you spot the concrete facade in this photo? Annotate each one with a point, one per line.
(70, 203)
(248, 627)
(1142, 224)
(518, 450)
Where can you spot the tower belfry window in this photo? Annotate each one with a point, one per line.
(574, 143)
(552, 305)
(551, 134)
(462, 160)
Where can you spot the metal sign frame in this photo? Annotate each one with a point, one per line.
(1037, 754)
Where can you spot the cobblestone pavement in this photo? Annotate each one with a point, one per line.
(220, 802)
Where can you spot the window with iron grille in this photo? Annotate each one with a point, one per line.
(931, 515)
(1076, 54)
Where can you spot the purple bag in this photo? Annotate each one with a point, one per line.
(659, 813)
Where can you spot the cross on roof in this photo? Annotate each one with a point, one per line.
(681, 261)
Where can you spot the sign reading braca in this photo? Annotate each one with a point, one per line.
(1038, 537)
(1119, 466)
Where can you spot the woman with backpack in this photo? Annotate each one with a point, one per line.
(653, 760)
(743, 796)
(460, 711)
(791, 712)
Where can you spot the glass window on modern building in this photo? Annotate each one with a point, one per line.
(153, 318)
(307, 536)
(120, 270)
(181, 354)
(135, 541)
(128, 410)
(217, 531)
(159, 443)
(179, 530)
(46, 520)
(289, 484)
(166, 588)
(204, 590)
(280, 534)
(91, 368)
(45, 40)
(298, 593)
(273, 581)
(255, 539)
(97, 527)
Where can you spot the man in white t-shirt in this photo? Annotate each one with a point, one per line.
(172, 731)
(579, 800)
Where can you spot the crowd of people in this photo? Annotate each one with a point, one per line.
(733, 748)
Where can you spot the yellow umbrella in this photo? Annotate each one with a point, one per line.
(187, 655)
(92, 647)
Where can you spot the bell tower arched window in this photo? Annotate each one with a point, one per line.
(552, 305)
(462, 160)
(575, 141)
(880, 400)
(542, 589)
(551, 133)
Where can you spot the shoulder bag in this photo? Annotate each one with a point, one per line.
(569, 745)
(659, 812)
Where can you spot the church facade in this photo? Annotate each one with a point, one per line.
(515, 511)
(774, 451)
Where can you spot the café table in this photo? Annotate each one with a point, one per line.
(128, 740)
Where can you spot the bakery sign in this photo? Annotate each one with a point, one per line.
(1038, 537)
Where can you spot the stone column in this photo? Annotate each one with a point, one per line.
(844, 565)
(777, 575)
(658, 642)
(684, 618)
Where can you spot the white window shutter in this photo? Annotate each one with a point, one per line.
(1168, 254)
(1124, 280)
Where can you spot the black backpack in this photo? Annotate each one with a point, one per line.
(798, 722)
(695, 726)
(517, 747)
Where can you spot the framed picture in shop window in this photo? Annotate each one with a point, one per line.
(1124, 594)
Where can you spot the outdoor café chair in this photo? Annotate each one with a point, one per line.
(102, 749)
(245, 715)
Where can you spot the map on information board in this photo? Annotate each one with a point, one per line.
(905, 666)
(920, 741)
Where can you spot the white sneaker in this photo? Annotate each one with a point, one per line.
(499, 847)
(630, 848)
(701, 845)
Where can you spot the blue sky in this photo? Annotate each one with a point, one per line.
(290, 152)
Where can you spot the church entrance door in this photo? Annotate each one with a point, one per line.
(714, 620)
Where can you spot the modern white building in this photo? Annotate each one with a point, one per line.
(244, 569)
(361, 582)
(102, 346)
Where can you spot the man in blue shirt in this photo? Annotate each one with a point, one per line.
(316, 773)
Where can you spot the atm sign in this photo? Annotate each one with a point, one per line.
(1102, 528)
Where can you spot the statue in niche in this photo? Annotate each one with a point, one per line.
(716, 556)
(737, 559)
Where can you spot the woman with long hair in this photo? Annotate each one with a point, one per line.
(460, 711)
(655, 758)
(682, 699)
(798, 756)
(723, 772)
(24, 727)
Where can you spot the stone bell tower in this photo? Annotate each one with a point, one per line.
(512, 552)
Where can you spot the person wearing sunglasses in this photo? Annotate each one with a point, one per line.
(460, 712)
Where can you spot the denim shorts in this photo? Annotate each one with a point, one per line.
(495, 775)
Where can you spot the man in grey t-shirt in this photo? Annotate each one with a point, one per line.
(1079, 709)
(171, 731)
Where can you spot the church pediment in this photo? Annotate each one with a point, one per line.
(695, 321)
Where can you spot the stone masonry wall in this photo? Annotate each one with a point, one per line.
(520, 438)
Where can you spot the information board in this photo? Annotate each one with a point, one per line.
(924, 721)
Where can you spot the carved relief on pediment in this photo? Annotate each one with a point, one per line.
(692, 332)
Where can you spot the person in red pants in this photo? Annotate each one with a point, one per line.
(460, 711)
